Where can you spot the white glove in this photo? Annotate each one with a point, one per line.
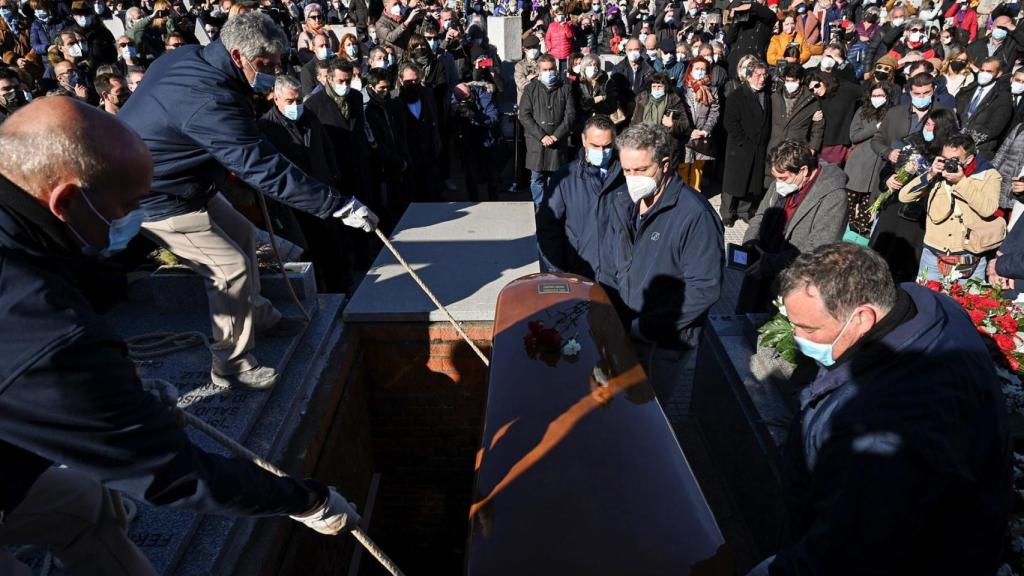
(357, 215)
(335, 517)
(164, 391)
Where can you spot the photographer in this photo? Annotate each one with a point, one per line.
(963, 196)
(750, 30)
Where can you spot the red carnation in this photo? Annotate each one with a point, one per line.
(1006, 323)
(549, 340)
(1014, 364)
(934, 285)
(986, 303)
(535, 326)
(976, 316)
(1003, 341)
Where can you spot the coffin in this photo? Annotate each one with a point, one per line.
(579, 471)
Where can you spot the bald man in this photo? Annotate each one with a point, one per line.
(71, 179)
(1005, 40)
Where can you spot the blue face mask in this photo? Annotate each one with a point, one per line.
(42, 15)
(599, 158)
(922, 102)
(821, 353)
(928, 135)
(658, 94)
(998, 33)
(6, 13)
(120, 232)
(292, 111)
(548, 78)
(261, 83)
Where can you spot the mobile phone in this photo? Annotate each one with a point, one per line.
(741, 257)
(486, 63)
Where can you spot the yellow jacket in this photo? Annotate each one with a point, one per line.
(779, 42)
(952, 209)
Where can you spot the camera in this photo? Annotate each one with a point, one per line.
(952, 165)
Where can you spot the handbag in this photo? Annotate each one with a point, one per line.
(700, 145)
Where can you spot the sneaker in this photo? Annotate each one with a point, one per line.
(285, 327)
(258, 378)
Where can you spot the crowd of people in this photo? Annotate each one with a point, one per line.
(822, 125)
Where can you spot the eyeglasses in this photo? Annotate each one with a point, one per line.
(917, 29)
(124, 45)
(175, 44)
(315, 17)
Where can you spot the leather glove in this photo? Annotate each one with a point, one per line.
(357, 215)
(337, 516)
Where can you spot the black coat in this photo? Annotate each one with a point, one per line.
(1009, 51)
(749, 128)
(839, 109)
(544, 112)
(751, 36)
(389, 153)
(347, 135)
(102, 48)
(799, 124)
(303, 142)
(69, 392)
(991, 118)
(423, 140)
(629, 83)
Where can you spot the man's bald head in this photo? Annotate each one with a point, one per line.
(56, 147)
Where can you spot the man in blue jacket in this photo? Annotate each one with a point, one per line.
(573, 220)
(900, 461)
(668, 246)
(71, 178)
(195, 113)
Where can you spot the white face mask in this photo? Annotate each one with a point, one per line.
(827, 63)
(640, 187)
(897, 22)
(917, 37)
(792, 87)
(532, 53)
(1017, 88)
(356, 84)
(321, 53)
(633, 55)
(785, 188)
(576, 69)
(878, 101)
(984, 78)
(341, 89)
(75, 51)
(590, 71)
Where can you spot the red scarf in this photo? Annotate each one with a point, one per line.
(701, 92)
(793, 200)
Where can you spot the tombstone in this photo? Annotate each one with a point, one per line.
(340, 31)
(506, 34)
(115, 26)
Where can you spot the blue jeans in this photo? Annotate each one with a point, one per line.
(929, 269)
(539, 181)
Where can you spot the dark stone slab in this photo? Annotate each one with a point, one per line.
(745, 404)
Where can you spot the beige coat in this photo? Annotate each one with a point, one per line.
(952, 209)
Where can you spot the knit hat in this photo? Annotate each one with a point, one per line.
(887, 60)
(531, 41)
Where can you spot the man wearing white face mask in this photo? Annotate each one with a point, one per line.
(322, 53)
(632, 75)
(985, 108)
(805, 207)
(668, 247)
(871, 438)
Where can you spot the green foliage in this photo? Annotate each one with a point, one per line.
(777, 333)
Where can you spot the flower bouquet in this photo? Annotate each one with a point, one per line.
(548, 343)
(911, 164)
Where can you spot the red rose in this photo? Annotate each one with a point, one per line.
(976, 316)
(1004, 342)
(934, 285)
(535, 326)
(549, 339)
(956, 289)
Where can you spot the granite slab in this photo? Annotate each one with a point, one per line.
(465, 252)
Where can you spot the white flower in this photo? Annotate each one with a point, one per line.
(571, 347)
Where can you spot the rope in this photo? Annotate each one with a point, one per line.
(433, 298)
(244, 452)
(156, 344)
(277, 256)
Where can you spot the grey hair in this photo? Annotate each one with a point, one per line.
(285, 82)
(254, 34)
(911, 22)
(42, 158)
(654, 139)
(591, 59)
(845, 275)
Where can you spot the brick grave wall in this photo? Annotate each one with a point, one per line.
(426, 394)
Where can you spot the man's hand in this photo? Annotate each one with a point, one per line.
(696, 134)
(893, 184)
(667, 121)
(938, 165)
(894, 156)
(1017, 186)
(548, 140)
(954, 178)
(356, 215)
(414, 14)
(818, 116)
(336, 516)
(81, 91)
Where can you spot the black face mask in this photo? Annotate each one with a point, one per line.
(880, 75)
(409, 92)
(957, 65)
(871, 18)
(14, 101)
